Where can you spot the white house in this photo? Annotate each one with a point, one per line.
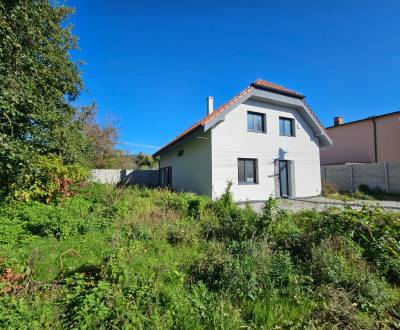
(265, 140)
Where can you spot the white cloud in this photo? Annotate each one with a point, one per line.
(141, 145)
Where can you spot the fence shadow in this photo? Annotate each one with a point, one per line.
(148, 178)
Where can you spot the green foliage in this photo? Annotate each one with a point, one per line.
(38, 82)
(143, 161)
(338, 263)
(48, 179)
(22, 222)
(364, 192)
(142, 258)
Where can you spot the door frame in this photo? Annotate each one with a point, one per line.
(290, 179)
(287, 183)
(165, 176)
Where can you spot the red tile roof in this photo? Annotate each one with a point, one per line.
(276, 88)
(263, 84)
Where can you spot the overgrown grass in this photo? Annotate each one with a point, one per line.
(363, 192)
(141, 258)
(359, 195)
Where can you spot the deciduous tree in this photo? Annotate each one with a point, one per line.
(38, 82)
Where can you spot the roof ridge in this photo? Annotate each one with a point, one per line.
(276, 87)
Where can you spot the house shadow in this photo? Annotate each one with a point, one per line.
(281, 154)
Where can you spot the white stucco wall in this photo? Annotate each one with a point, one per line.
(192, 171)
(231, 140)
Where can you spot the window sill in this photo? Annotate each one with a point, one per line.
(256, 132)
(247, 183)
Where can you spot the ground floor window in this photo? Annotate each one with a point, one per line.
(166, 176)
(247, 171)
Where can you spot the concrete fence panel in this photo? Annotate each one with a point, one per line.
(372, 175)
(393, 170)
(339, 176)
(348, 177)
(148, 178)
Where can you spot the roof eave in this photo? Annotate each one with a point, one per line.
(181, 139)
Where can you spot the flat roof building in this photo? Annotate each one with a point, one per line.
(370, 140)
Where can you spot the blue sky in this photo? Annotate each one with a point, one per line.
(151, 64)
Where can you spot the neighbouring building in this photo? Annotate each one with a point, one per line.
(265, 141)
(370, 140)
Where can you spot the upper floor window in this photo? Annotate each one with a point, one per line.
(255, 122)
(286, 126)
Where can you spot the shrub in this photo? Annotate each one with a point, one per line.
(344, 268)
(182, 233)
(47, 180)
(196, 207)
(177, 202)
(328, 189)
(338, 308)
(364, 189)
(248, 269)
(21, 222)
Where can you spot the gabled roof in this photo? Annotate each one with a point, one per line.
(258, 84)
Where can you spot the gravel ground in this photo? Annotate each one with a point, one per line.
(322, 203)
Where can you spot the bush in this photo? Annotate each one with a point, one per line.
(48, 180)
(184, 233)
(328, 189)
(21, 222)
(364, 189)
(344, 268)
(339, 309)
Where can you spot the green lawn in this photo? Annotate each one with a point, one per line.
(152, 259)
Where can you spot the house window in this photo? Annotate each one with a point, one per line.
(286, 126)
(180, 153)
(247, 171)
(166, 176)
(255, 122)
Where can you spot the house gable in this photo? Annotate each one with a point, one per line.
(259, 90)
(233, 140)
(282, 100)
(263, 91)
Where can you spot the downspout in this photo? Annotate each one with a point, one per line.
(375, 141)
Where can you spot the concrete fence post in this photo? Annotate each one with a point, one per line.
(322, 175)
(351, 178)
(385, 167)
(324, 172)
